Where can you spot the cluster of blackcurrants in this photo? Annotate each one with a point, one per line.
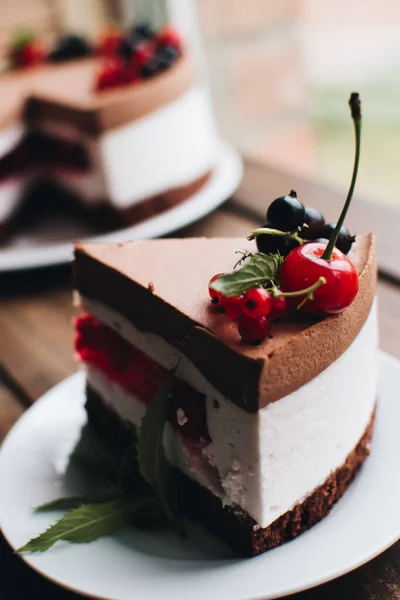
(301, 223)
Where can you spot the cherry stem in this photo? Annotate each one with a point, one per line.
(309, 291)
(355, 108)
(292, 235)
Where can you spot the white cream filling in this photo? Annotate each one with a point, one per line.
(9, 138)
(271, 460)
(170, 147)
(10, 194)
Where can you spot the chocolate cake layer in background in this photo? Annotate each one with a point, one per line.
(119, 276)
(235, 526)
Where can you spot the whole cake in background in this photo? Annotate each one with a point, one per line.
(122, 130)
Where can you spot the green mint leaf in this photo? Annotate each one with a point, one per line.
(153, 464)
(87, 523)
(71, 502)
(261, 269)
(21, 38)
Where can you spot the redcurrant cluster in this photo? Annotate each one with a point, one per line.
(136, 56)
(254, 311)
(317, 271)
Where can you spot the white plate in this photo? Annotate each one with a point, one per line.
(40, 250)
(136, 565)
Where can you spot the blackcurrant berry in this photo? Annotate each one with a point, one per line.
(68, 47)
(315, 221)
(144, 31)
(345, 239)
(270, 244)
(286, 213)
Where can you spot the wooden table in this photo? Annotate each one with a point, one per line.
(36, 342)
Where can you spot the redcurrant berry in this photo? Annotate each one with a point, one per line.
(253, 331)
(232, 306)
(257, 303)
(305, 265)
(280, 307)
(214, 295)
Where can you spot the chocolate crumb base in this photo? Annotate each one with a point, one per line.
(50, 197)
(233, 525)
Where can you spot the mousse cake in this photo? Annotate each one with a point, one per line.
(263, 439)
(118, 150)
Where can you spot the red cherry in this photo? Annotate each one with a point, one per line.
(302, 268)
(214, 295)
(253, 331)
(280, 307)
(257, 303)
(169, 37)
(232, 306)
(111, 74)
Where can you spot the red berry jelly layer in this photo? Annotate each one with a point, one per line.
(103, 348)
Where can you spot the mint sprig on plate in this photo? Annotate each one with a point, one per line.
(141, 493)
(261, 270)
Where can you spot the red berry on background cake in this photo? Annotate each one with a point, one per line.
(111, 74)
(110, 41)
(169, 37)
(26, 50)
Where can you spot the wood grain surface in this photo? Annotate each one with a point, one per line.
(36, 342)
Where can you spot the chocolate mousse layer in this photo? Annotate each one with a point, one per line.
(234, 525)
(69, 96)
(160, 286)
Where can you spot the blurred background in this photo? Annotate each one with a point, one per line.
(280, 73)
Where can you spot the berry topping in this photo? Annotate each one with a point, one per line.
(143, 31)
(286, 213)
(305, 265)
(253, 331)
(280, 307)
(214, 295)
(315, 221)
(110, 41)
(68, 47)
(111, 74)
(232, 306)
(257, 303)
(270, 243)
(344, 240)
(169, 37)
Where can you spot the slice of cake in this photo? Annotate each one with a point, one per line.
(120, 137)
(264, 439)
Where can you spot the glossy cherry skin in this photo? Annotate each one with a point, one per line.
(302, 268)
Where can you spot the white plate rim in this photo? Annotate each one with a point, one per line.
(223, 182)
(385, 360)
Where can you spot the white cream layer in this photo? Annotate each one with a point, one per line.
(271, 460)
(9, 138)
(170, 147)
